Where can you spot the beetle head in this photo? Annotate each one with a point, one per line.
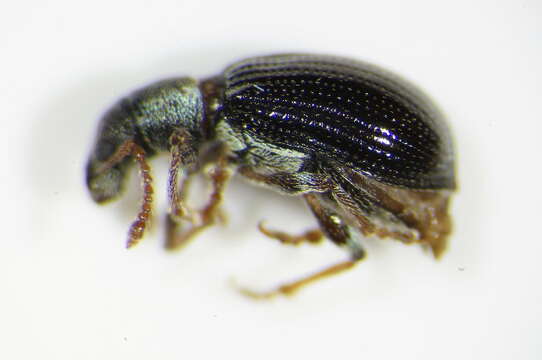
(148, 117)
(116, 127)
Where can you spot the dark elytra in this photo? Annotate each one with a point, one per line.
(343, 110)
(369, 153)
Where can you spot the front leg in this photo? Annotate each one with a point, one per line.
(198, 219)
(182, 156)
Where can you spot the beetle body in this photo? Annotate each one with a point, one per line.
(368, 151)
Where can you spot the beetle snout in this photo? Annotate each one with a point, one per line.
(105, 185)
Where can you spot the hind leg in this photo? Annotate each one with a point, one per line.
(333, 226)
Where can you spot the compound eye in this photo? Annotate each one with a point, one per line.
(104, 150)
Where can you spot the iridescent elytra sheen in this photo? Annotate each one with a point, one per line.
(368, 152)
(342, 110)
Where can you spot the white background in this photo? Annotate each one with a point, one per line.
(69, 289)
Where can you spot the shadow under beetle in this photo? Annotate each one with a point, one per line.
(369, 153)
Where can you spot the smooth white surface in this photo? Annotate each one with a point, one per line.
(69, 290)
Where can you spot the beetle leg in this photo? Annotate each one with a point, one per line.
(337, 231)
(312, 236)
(292, 287)
(130, 148)
(207, 216)
(181, 155)
(179, 212)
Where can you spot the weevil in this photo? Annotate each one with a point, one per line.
(369, 153)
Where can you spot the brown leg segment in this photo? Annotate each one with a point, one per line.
(205, 217)
(333, 226)
(130, 148)
(291, 288)
(181, 155)
(312, 236)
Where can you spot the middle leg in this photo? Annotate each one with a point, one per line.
(313, 236)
